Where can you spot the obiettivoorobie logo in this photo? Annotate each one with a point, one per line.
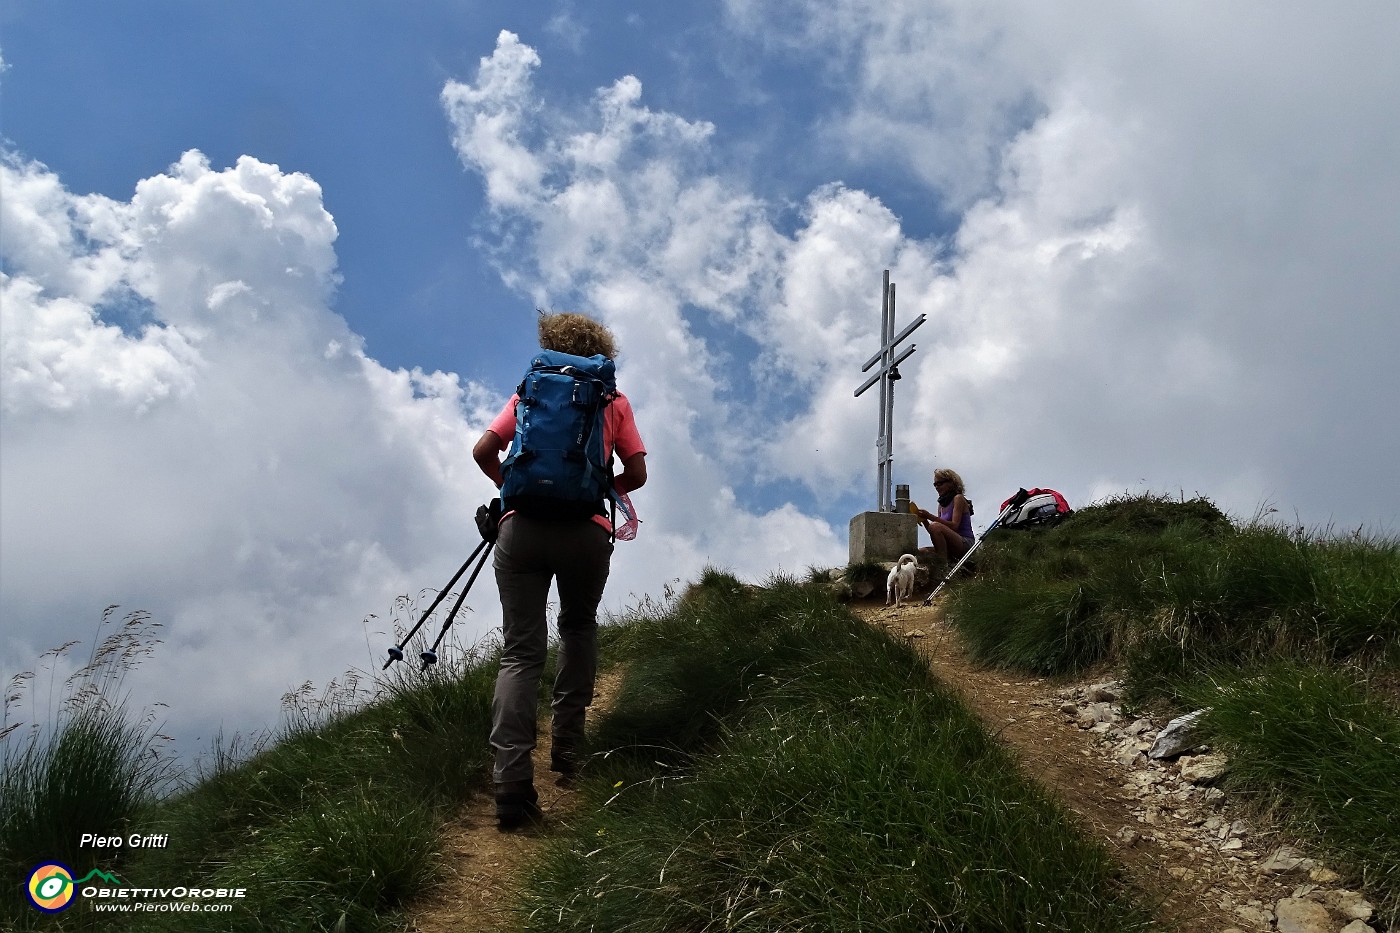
(52, 886)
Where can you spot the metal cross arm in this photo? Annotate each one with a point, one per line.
(891, 369)
(893, 343)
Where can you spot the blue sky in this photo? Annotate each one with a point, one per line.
(269, 269)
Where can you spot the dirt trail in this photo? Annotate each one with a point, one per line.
(1201, 881)
(482, 866)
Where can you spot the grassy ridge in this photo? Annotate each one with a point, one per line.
(339, 819)
(1173, 586)
(1289, 638)
(774, 764)
(335, 823)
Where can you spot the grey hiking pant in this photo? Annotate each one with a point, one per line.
(529, 553)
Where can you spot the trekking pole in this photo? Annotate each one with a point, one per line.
(430, 656)
(396, 652)
(1016, 502)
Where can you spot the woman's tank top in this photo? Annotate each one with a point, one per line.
(964, 529)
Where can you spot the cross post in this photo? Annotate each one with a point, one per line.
(887, 374)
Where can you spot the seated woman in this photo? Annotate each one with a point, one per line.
(951, 528)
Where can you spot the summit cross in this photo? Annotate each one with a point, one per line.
(887, 374)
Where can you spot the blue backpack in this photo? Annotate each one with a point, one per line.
(556, 466)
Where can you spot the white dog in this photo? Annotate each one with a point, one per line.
(900, 585)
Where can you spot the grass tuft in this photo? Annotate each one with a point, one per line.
(91, 769)
(1319, 748)
(1163, 586)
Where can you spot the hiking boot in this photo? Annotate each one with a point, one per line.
(516, 808)
(564, 761)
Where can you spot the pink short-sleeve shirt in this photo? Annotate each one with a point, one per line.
(620, 435)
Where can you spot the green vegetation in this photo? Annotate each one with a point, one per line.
(91, 771)
(340, 817)
(772, 763)
(334, 821)
(1292, 639)
(1321, 747)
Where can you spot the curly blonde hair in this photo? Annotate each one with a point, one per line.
(577, 334)
(951, 476)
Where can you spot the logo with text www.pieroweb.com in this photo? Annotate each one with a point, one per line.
(52, 887)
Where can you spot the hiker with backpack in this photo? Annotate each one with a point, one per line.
(560, 432)
(951, 527)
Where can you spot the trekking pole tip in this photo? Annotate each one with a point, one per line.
(395, 654)
(429, 658)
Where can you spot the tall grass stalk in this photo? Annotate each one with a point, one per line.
(90, 769)
(341, 815)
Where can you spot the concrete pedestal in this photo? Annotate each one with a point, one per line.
(883, 536)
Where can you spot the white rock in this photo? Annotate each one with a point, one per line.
(1351, 905)
(1178, 737)
(1284, 859)
(1203, 768)
(1256, 915)
(1105, 693)
(1296, 915)
(1096, 713)
(1129, 756)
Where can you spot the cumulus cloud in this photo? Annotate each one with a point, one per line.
(189, 429)
(935, 87)
(1177, 278)
(622, 220)
(626, 221)
(1152, 220)
(56, 354)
